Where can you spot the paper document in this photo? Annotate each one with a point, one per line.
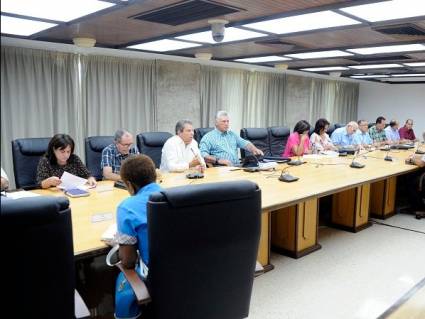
(109, 235)
(70, 181)
(21, 194)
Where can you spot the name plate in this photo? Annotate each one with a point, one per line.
(100, 217)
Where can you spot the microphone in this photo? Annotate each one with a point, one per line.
(296, 162)
(286, 177)
(387, 156)
(356, 164)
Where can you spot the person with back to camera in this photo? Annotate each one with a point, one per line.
(58, 159)
(298, 142)
(320, 140)
(139, 175)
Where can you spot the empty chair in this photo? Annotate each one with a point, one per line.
(151, 143)
(26, 153)
(202, 257)
(278, 136)
(200, 132)
(257, 136)
(37, 237)
(94, 146)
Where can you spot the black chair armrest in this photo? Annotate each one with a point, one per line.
(139, 287)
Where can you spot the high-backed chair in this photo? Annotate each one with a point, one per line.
(200, 132)
(151, 143)
(26, 153)
(278, 136)
(370, 124)
(36, 234)
(202, 256)
(338, 125)
(257, 136)
(331, 129)
(94, 146)
(310, 131)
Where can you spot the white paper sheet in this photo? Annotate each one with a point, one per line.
(21, 194)
(70, 181)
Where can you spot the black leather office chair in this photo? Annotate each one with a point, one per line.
(151, 143)
(257, 136)
(338, 125)
(278, 137)
(37, 244)
(200, 132)
(203, 242)
(310, 131)
(94, 146)
(331, 129)
(26, 153)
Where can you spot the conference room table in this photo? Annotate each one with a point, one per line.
(290, 211)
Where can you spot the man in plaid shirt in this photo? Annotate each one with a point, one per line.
(377, 132)
(114, 154)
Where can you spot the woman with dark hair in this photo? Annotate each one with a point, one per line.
(139, 175)
(320, 140)
(58, 159)
(298, 142)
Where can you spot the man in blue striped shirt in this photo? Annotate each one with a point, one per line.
(220, 146)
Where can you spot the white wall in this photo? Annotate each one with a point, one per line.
(393, 101)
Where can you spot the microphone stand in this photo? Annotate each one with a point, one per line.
(387, 156)
(356, 164)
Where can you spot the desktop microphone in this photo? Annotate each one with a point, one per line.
(356, 164)
(286, 177)
(296, 162)
(387, 156)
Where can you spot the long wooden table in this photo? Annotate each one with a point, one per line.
(290, 210)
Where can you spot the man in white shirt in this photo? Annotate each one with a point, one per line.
(181, 151)
(4, 180)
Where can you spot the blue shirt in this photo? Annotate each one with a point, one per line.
(132, 223)
(222, 145)
(340, 137)
(361, 138)
(392, 135)
(111, 157)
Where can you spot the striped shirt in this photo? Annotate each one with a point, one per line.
(377, 136)
(111, 157)
(222, 145)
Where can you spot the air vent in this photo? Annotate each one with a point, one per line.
(400, 29)
(378, 58)
(185, 12)
(278, 44)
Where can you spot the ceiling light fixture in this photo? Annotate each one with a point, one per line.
(387, 10)
(84, 42)
(24, 27)
(375, 66)
(415, 64)
(163, 45)
(203, 56)
(319, 54)
(327, 68)
(262, 59)
(58, 10)
(389, 49)
(370, 76)
(231, 34)
(408, 75)
(303, 22)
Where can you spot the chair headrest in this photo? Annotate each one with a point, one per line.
(155, 139)
(255, 133)
(279, 131)
(201, 194)
(98, 143)
(33, 146)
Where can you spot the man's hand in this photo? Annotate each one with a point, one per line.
(195, 162)
(257, 151)
(225, 162)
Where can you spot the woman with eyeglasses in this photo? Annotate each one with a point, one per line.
(58, 159)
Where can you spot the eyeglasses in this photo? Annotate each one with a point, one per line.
(125, 145)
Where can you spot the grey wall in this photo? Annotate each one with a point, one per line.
(177, 94)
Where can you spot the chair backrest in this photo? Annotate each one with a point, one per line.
(151, 143)
(331, 129)
(310, 131)
(203, 245)
(338, 125)
(94, 146)
(278, 136)
(257, 136)
(26, 153)
(37, 242)
(200, 132)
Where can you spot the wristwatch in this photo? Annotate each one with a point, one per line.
(216, 161)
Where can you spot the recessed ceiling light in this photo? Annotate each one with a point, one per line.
(58, 10)
(24, 27)
(408, 75)
(164, 45)
(303, 22)
(260, 59)
(375, 66)
(415, 64)
(319, 54)
(388, 10)
(230, 35)
(389, 49)
(369, 76)
(327, 68)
